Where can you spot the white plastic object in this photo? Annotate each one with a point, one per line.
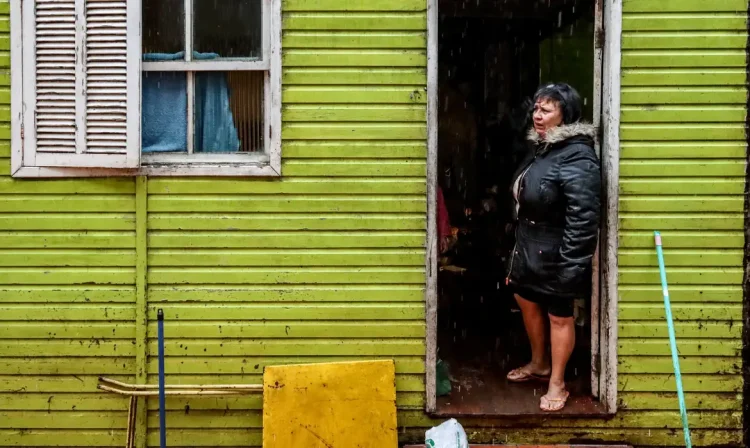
(449, 434)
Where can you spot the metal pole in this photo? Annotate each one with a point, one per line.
(672, 339)
(162, 394)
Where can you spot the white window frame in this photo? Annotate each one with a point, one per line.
(267, 164)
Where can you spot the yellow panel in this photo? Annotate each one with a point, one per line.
(327, 405)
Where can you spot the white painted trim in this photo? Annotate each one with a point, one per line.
(80, 84)
(596, 265)
(273, 87)
(213, 65)
(431, 243)
(212, 170)
(134, 12)
(28, 83)
(204, 158)
(16, 82)
(611, 176)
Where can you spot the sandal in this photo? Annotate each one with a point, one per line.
(547, 404)
(520, 375)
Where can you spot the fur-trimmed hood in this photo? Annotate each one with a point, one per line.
(562, 133)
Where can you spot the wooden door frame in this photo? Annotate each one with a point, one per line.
(604, 363)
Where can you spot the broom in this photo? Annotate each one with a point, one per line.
(672, 339)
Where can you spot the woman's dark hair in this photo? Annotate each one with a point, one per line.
(565, 96)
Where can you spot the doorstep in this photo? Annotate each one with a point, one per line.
(535, 446)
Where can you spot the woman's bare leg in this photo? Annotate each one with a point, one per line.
(535, 323)
(562, 340)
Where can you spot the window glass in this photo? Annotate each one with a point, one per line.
(163, 27)
(164, 112)
(229, 111)
(229, 28)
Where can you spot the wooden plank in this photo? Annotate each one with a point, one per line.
(354, 131)
(281, 257)
(708, 21)
(722, 170)
(71, 437)
(683, 276)
(281, 311)
(678, 186)
(338, 150)
(691, 383)
(703, 348)
(67, 294)
(671, 132)
(682, 239)
(683, 40)
(354, 76)
(354, 58)
(283, 294)
(358, 39)
(272, 347)
(285, 222)
(110, 185)
(332, 275)
(99, 365)
(349, 168)
(636, 401)
(699, 311)
(682, 114)
(662, 6)
(682, 204)
(298, 186)
(66, 330)
(682, 95)
(71, 347)
(682, 58)
(707, 258)
(683, 77)
(64, 402)
(66, 276)
(701, 294)
(683, 150)
(96, 312)
(651, 329)
(67, 203)
(359, 21)
(279, 240)
(247, 365)
(335, 5)
(66, 258)
(354, 113)
(354, 95)
(288, 203)
(380, 329)
(67, 221)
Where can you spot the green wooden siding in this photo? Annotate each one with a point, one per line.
(327, 263)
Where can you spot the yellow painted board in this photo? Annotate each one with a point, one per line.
(282, 311)
(683, 95)
(684, 39)
(687, 312)
(352, 76)
(268, 239)
(336, 5)
(721, 365)
(295, 186)
(358, 21)
(269, 275)
(359, 39)
(654, 329)
(681, 58)
(685, 234)
(325, 405)
(88, 365)
(683, 77)
(682, 294)
(682, 150)
(67, 221)
(67, 294)
(668, 401)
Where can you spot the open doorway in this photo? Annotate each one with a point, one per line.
(492, 57)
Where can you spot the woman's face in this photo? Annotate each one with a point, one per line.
(547, 115)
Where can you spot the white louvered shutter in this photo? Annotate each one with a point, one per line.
(81, 76)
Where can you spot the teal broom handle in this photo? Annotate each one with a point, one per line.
(672, 339)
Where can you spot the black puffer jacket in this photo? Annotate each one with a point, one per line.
(558, 213)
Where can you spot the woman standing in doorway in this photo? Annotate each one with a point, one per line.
(556, 192)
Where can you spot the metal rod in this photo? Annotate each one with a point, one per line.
(121, 385)
(190, 392)
(162, 394)
(672, 339)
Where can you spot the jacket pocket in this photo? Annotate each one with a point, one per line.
(536, 260)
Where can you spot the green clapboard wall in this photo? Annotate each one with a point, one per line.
(327, 263)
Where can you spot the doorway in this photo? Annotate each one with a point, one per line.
(492, 57)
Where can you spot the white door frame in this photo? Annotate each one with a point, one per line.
(605, 301)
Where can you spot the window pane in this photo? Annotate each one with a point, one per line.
(164, 112)
(229, 111)
(163, 28)
(229, 28)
